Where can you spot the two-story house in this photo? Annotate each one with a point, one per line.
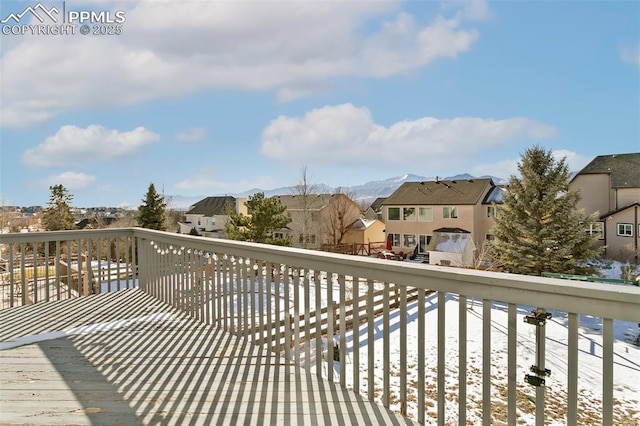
(209, 216)
(418, 210)
(610, 186)
(318, 219)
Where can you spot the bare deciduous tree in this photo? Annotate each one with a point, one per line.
(304, 189)
(342, 212)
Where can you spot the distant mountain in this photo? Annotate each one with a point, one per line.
(365, 193)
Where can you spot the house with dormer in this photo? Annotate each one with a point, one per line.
(209, 216)
(416, 211)
(610, 186)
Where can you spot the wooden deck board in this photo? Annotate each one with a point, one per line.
(126, 358)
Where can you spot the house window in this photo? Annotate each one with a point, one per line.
(393, 213)
(425, 214)
(408, 213)
(489, 237)
(424, 243)
(395, 239)
(409, 240)
(308, 238)
(596, 228)
(625, 230)
(491, 211)
(450, 212)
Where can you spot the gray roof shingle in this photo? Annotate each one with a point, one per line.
(624, 169)
(214, 206)
(443, 192)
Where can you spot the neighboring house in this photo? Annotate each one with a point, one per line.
(610, 186)
(365, 231)
(210, 215)
(318, 219)
(374, 211)
(417, 210)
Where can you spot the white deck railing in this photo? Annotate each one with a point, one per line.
(304, 303)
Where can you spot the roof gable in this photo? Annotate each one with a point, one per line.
(214, 206)
(441, 192)
(624, 169)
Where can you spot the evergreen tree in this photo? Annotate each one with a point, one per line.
(152, 211)
(538, 228)
(266, 216)
(58, 215)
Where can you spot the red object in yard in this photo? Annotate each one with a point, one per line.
(388, 243)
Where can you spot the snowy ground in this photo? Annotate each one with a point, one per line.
(626, 361)
(626, 369)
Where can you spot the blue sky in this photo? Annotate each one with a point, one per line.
(208, 98)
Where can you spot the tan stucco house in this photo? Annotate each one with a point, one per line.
(318, 219)
(418, 209)
(610, 186)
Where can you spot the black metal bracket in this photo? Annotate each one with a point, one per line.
(535, 370)
(534, 380)
(537, 318)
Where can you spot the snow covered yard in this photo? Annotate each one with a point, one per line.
(626, 369)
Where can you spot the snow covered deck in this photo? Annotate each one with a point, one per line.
(126, 358)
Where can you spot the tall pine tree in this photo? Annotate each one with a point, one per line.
(266, 216)
(58, 216)
(538, 229)
(152, 212)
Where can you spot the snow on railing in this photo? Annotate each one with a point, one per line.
(434, 343)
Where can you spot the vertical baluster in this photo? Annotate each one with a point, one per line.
(356, 334)
(317, 284)
(572, 371)
(421, 355)
(441, 357)
(607, 371)
(486, 362)
(296, 313)
(307, 320)
(403, 350)
(511, 364)
(331, 326)
(370, 342)
(343, 330)
(286, 314)
(385, 346)
(462, 360)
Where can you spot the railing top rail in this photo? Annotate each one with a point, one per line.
(604, 300)
(77, 234)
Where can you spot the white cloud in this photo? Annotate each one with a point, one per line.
(631, 55)
(293, 48)
(192, 135)
(345, 134)
(509, 167)
(72, 145)
(205, 181)
(71, 180)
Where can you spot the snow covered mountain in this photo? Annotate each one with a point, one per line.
(365, 193)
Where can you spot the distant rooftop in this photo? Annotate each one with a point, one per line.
(623, 168)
